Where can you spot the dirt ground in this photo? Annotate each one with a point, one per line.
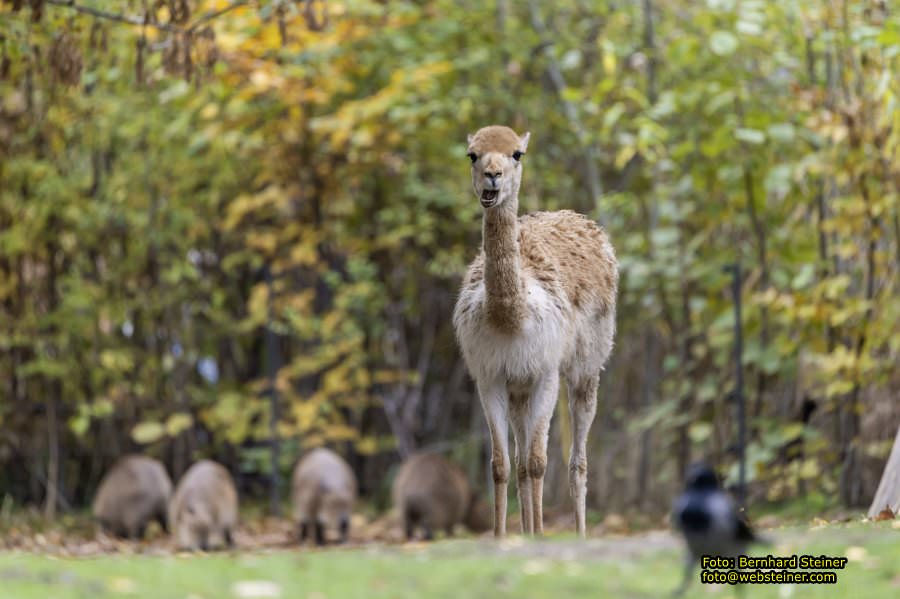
(79, 537)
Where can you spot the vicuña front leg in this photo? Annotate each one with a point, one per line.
(540, 411)
(495, 402)
(582, 408)
(518, 415)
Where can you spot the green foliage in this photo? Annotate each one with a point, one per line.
(142, 195)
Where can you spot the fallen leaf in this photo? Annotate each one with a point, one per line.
(855, 553)
(256, 589)
(885, 514)
(534, 566)
(122, 585)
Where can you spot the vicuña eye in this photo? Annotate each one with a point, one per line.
(473, 157)
(517, 155)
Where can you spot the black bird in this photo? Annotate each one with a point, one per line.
(708, 519)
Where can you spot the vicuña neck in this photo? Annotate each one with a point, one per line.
(505, 289)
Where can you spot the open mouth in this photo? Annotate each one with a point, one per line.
(489, 197)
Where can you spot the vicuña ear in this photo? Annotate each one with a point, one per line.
(469, 138)
(523, 141)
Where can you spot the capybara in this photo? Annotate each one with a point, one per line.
(204, 510)
(134, 492)
(323, 490)
(432, 493)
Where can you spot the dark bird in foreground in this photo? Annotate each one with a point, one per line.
(708, 519)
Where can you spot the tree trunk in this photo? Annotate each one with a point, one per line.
(272, 365)
(888, 493)
(52, 461)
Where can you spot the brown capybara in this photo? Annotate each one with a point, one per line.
(323, 490)
(134, 492)
(432, 493)
(204, 509)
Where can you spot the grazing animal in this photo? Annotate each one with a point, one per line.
(204, 510)
(134, 492)
(707, 518)
(538, 302)
(323, 490)
(432, 493)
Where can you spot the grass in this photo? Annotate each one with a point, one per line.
(556, 567)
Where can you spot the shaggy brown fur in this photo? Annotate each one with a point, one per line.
(432, 493)
(563, 246)
(204, 510)
(323, 490)
(134, 492)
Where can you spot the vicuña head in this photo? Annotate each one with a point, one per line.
(496, 154)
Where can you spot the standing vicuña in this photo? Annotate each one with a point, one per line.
(537, 302)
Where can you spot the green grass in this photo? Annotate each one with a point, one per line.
(559, 567)
(798, 510)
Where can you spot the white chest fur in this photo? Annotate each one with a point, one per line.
(542, 344)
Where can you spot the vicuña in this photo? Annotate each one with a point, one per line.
(538, 302)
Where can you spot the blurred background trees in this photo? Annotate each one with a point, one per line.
(212, 209)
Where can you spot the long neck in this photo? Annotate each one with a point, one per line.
(505, 289)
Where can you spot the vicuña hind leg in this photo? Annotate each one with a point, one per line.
(495, 402)
(518, 418)
(540, 411)
(582, 408)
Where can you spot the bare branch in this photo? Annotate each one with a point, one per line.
(142, 20)
(111, 16)
(215, 14)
